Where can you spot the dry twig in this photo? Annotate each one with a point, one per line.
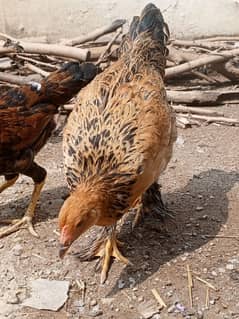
(190, 285)
(158, 298)
(206, 283)
(96, 33)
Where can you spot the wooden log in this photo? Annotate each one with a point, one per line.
(211, 45)
(230, 38)
(195, 110)
(180, 56)
(108, 47)
(96, 33)
(36, 69)
(17, 79)
(228, 69)
(15, 45)
(197, 97)
(31, 60)
(215, 119)
(209, 59)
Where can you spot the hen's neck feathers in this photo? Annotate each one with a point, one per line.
(147, 52)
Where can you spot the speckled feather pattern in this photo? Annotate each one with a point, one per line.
(121, 131)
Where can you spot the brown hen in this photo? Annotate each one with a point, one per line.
(119, 138)
(26, 122)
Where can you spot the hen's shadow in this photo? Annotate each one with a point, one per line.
(201, 207)
(48, 205)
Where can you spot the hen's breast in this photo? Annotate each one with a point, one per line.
(121, 127)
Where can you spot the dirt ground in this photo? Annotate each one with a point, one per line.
(200, 186)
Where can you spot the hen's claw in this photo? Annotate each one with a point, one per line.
(17, 224)
(109, 249)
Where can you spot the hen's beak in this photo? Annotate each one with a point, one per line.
(62, 250)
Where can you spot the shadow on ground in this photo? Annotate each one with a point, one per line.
(148, 247)
(48, 206)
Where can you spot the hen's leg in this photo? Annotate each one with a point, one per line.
(9, 181)
(152, 203)
(38, 174)
(105, 247)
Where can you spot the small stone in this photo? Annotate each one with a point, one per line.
(14, 300)
(1, 245)
(95, 313)
(140, 299)
(214, 273)
(132, 282)
(169, 293)
(117, 309)
(107, 301)
(156, 316)
(212, 302)
(229, 266)
(93, 302)
(80, 303)
(199, 314)
(204, 217)
(221, 270)
(147, 309)
(17, 250)
(199, 208)
(180, 141)
(171, 309)
(121, 284)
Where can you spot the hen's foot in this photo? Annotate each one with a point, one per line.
(16, 225)
(105, 247)
(8, 183)
(107, 250)
(27, 218)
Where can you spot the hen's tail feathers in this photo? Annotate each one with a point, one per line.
(63, 84)
(151, 21)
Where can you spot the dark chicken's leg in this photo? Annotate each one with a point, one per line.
(151, 202)
(9, 181)
(38, 174)
(105, 247)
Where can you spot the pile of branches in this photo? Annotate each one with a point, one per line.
(212, 63)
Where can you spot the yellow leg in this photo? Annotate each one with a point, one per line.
(27, 218)
(109, 249)
(8, 183)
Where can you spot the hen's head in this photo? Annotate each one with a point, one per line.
(80, 211)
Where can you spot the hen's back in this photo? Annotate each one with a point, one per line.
(122, 119)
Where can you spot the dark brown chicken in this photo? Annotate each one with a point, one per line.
(26, 122)
(119, 138)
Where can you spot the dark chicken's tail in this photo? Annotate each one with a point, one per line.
(56, 89)
(150, 22)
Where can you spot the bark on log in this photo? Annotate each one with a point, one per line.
(203, 44)
(17, 79)
(215, 119)
(195, 110)
(228, 69)
(209, 59)
(207, 98)
(17, 46)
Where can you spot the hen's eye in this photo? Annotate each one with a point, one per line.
(79, 224)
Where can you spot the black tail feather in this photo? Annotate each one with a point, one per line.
(150, 21)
